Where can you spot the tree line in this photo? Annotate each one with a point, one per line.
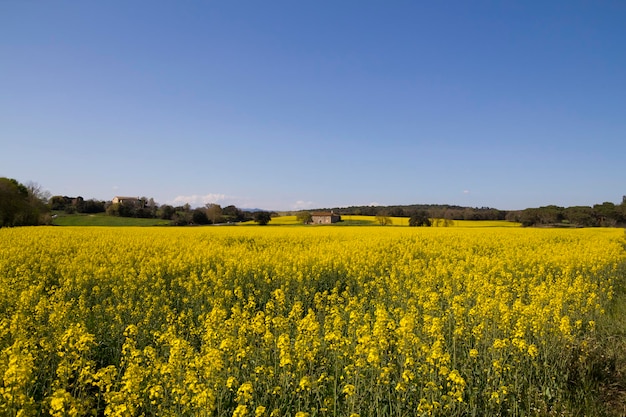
(606, 214)
(22, 205)
(147, 208)
(438, 211)
(28, 205)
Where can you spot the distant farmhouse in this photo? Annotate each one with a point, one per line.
(127, 200)
(324, 217)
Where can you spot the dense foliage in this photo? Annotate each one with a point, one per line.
(21, 205)
(606, 214)
(342, 321)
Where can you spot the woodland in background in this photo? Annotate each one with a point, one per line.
(22, 205)
(606, 214)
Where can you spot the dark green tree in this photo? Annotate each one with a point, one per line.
(59, 202)
(262, 217)
(609, 214)
(93, 206)
(529, 217)
(20, 205)
(166, 212)
(419, 218)
(304, 217)
(234, 214)
(580, 216)
(199, 216)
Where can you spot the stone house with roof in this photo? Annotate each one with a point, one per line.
(324, 217)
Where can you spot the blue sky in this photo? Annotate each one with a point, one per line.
(307, 104)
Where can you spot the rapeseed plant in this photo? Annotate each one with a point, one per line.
(350, 321)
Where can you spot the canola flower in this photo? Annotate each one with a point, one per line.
(350, 321)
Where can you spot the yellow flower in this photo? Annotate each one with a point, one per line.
(348, 390)
(244, 393)
(240, 411)
(305, 383)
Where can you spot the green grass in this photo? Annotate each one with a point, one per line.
(102, 219)
(63, 219)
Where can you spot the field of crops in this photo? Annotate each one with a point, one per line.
(303, 321)
(350, 220)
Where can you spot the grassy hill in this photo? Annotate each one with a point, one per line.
(63, 219)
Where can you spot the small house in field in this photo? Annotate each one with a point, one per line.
(324, 217)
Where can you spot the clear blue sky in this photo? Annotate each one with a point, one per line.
(308, 104)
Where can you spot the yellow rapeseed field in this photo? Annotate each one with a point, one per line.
(300, 321)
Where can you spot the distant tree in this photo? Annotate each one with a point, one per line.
(214, 213)
(397, 212)
(419, 218)
(37, 194)
(93, 206)
(551, 214)
(13, 202)
(581, 216)
(199, 216)
(181, 218)
(38, 199)
(262, 217)
(383, 220)
(369, 211)
(608, 214)
(151, 207)
(529, 217)
(442, 222)
(140, 208)
(59, 202)
(21, 205)
(78, 203)
(165, 212)
(622, 210)
(113, 209)
(304, 217)
(234, 214)
(513, 216)
(546, 215)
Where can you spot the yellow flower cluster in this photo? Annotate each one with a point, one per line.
(277, 321)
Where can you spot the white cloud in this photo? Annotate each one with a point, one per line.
(302, 205)
(374, 204)
(466, 192)
(198, 200)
